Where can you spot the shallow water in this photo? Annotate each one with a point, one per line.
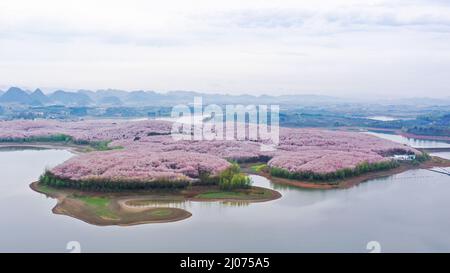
(404, 212)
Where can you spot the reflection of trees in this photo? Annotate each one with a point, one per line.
(236, 203)
(139, 203)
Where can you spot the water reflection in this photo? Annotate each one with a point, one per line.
(21, 148)
(144, 207)
(445, 155)
(404, 212)
(139, 203)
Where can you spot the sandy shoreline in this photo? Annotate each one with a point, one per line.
(69, 206)
(119, 210)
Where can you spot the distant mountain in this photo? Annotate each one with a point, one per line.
(40, 97)
(300, 100)
(71, 98)
(114, 97)
(112, 93)
(183, 94)
(140, 98)
(91, 94)
(106, 97)
(111, 101)
(143, 97)
(17, 95)
(1, 93)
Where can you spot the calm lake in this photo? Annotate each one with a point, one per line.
(404, 212)
(413, 142)
(383, 118)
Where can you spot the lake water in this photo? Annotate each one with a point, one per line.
(413, 142)
(383, 118)
(388, 118)
(404, 212)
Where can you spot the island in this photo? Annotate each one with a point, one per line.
(126, 208)
(128, 159)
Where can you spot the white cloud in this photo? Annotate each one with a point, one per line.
(395, 48)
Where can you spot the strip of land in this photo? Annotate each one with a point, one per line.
(143, 207)
(348, 182)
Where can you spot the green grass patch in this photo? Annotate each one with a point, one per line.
(103, 146)
(258, 168)
(221, 195)
(254, 193)
(62, 138)
(94, 201)
(46, 189)
(361, 168)
(99, 205)
(44, 138)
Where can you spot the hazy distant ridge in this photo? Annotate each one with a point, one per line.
(113, 97)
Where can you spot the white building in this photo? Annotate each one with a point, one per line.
(404, 157)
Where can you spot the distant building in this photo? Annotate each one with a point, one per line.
(404, 157)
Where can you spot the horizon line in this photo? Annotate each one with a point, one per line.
(48, 90)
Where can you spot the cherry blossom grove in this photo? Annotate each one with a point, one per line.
(139, 165)
(150, 153)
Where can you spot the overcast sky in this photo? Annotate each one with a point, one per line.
(339, 48)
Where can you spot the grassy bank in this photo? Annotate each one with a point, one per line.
(98, 205)
(101, 145)
(341, 174)
(332, 176)
(250, 194)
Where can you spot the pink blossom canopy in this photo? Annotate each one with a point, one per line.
(150, 153)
